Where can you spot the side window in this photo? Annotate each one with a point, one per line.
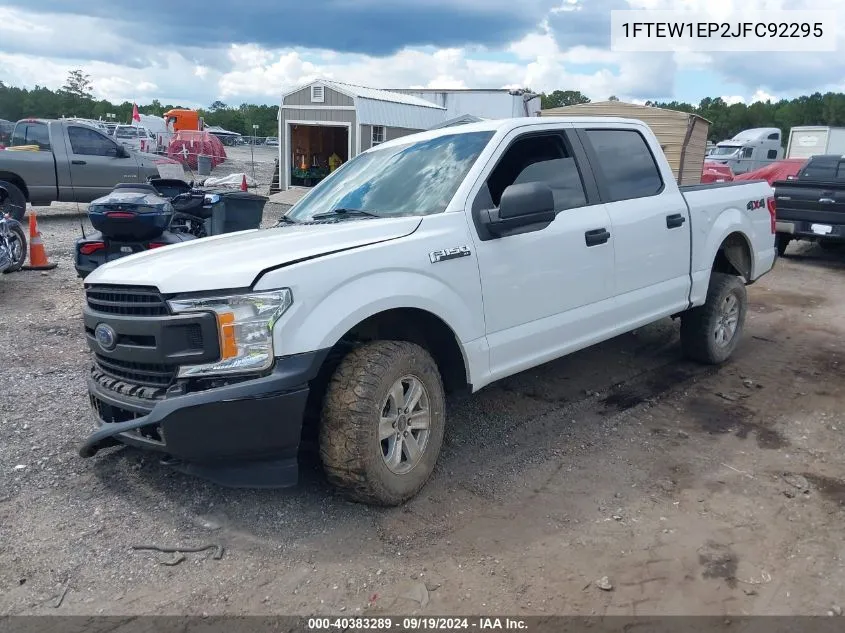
(88, 142)
(772, 154)
(746, 152)
(774, 136)
(378, 135)
(539, 159)
(627, 164)
(32, 134)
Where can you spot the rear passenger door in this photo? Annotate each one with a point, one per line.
(542, 288)
(650, 223)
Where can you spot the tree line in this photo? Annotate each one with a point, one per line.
(75, 99)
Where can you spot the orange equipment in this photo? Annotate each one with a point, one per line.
(180, 119)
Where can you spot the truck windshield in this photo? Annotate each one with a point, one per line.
(417, 178)
(724, 150)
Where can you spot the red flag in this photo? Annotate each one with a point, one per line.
(135, 115)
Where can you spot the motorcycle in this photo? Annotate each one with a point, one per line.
(161, 212)
(13, 243)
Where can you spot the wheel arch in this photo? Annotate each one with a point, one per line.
(16, 180)
(734, 256)
(413, 325)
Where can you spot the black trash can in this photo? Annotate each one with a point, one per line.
(240, 211)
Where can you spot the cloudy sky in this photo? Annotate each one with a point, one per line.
(194, 52)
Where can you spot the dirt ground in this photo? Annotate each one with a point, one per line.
(693, 490)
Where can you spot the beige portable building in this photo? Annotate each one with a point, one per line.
(683, 136)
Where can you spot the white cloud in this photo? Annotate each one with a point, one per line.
(762, 96)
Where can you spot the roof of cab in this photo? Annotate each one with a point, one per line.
(504, 126)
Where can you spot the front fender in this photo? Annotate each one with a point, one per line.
(319, 323)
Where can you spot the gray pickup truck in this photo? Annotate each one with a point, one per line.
(74, 162)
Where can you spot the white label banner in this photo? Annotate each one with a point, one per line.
(725, 32)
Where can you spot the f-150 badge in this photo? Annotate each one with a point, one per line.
(449, 253)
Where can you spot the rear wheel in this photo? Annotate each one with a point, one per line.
(382, 422)
(832, 245)
(781, 242)
(710, 333)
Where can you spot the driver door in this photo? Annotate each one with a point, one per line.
(545, 290)
(97, 163)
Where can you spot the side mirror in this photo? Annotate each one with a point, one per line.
(522, 205)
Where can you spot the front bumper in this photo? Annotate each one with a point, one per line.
(245, 434)
(806, 230)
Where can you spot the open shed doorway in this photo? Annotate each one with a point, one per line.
(316, 149)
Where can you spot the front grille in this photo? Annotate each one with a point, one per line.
(152, 374)
(126, 301)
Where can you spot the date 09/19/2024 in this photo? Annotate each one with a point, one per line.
(416, 624)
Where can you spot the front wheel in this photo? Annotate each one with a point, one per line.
(15, 203)
(382, 422)
(17, 243)
(710, 333)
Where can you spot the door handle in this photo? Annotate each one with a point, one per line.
(674, 221)
(827, 201)
(78, 162)
(596, 237)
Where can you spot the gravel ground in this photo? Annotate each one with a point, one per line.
(693, 490)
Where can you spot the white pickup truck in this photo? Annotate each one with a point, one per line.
(443, 260)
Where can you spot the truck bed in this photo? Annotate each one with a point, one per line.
(707, 186)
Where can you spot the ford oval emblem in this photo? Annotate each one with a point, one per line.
(106, 337)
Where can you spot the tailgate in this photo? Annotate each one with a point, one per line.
(811, 201)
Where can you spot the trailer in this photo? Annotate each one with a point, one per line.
(812, 140)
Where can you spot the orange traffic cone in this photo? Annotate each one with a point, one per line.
(243, 183)
(37, 255)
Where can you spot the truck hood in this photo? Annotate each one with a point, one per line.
(234, 260)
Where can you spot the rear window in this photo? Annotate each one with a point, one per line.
(126, 132)
(31, 133)
(823, 169)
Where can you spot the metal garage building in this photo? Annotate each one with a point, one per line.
(328, 120)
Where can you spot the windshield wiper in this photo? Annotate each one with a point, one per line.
(344, 211)
(286, 220)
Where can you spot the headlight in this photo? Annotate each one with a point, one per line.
(245, 326)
